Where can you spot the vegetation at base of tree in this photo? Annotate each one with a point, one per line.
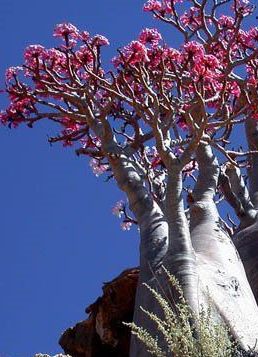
(185, 338)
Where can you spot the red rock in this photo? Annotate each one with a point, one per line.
(103, 333)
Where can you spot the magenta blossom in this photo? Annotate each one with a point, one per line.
(11, 72)
(126, 226)
(152, 5)
(65, 30)
(99, 40)
(193, 48)
(150, 36)
(133, 54)
(192, 18)
(84, 35)
(84, 55)
(97, 167)
(226, 22)
(33, 53)
(117, 210)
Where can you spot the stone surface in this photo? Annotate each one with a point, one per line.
(103, 332)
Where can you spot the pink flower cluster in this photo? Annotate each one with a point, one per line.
(192, 18)
(84, 55)
(71, 35)
(118, 209)
(18, 110)
(3, 117)
(33, 55)
(152, 5)
(97, 167)
(99, 40)
(72, 71)
(11, 72)
(132, 54)
(137, 51)
(164, 6)
(226, 22)
(150, 36)
(244, 7)
(126, 225)
(65, 30)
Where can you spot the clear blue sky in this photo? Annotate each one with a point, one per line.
(60, 241)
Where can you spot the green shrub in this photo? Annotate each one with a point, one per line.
(184, 335)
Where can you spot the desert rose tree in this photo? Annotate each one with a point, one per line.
(162, 122)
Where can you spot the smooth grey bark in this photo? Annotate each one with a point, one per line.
(180, 259)
(219, 267)
(244, 208)
(243, 199)
(153, 244)
(246, 237)
(246, 242)
(201, 254)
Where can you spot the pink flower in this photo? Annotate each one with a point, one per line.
(193, 48)
(70, 125)
(166, 8)
(54, 57)
(66, 29)
(3, 117)
(244, 7)
(84, 35)
(18, 110)
(152, 5)
(211, 61)
(21, 106)
(153, 156)
(99, 40)
(234, 89)
(97, 167)
(11, 72)
(226, 22)
(155, 55)
(134, 53)
(32, 53)
(253, 32)
(171, 54)
(192, 18)
(151, 36)
(84, 55)
(126, 226)
(117, 210)
(246, 38)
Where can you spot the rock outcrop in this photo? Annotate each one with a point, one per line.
(103, 333)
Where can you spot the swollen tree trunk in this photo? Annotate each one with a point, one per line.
(246, 237)
(180, 259)
(221, 273)
(198, 251)
(153, 244)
